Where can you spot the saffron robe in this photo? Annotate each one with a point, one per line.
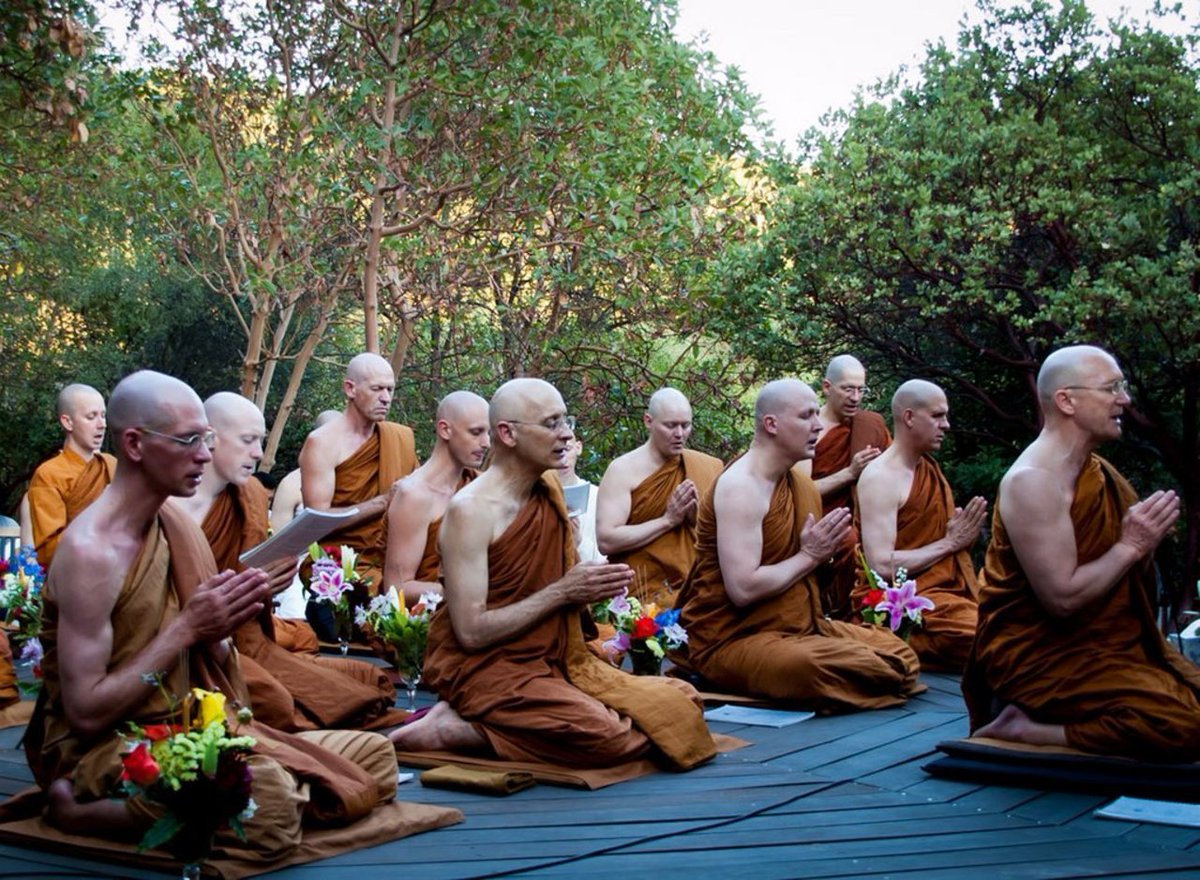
(9, 692)
(661, 566)
(388, 456)
(838, 445)
(290, 691)
(783, 648)
(322, 786)
(945, 639)
(1105, 673)
(61, 488)
(541, 696)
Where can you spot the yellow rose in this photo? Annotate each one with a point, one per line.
(212, 706)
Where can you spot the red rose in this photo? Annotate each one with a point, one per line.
(155, 732)
(873, 598)
(644, 628)
(37, 671)
(140, 766)
(3, 567)
(334, 552)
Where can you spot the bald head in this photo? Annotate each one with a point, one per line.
(787, 421)
(147, 399)
(77, 396)
(1068, 366)
(364, 366)
(668, 421)
(225, 410)
(668, 400)
(457, 404)
(844, 387)
(916, 394)
(240, 429)
(521, 400)
(82, 415)
(463, 429)
(369, 386)
(843, 366)
(778, 397)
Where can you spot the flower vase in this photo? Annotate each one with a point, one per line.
(644, 661)
(193, 846)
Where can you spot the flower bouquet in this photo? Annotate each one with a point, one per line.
(897, 607)
(333, 583)
(644, 632)
(21, 599)
(197, 771)
(404, 632)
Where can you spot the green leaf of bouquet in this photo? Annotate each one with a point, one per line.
(211, 754)
(160, 832)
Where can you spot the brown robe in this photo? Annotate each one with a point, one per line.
(59, 491)
(429, 570)
(291, 691)
(945, 639)
(389, 455)
(661, 566)
(9, 692)
(541, 696)
(174, 559)
(1106, 673)
(840, 444)
(783, 648)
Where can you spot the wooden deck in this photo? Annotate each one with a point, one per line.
(829, 797)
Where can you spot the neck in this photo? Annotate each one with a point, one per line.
(516, 474)
(86, 453)
(1070, 447)
(359, 424)
(657, 457)
(829, 417)
(907, 451)
(569, 478)
(442, 470)
(767, 462)
(199, 504)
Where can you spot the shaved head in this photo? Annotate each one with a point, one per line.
(457, 404)
(668, 400)
(325, 417)
(363, 366)
(915, 394)
(520, 399)
(776, 396)
(147, 399)
(1069, 366)
(75, 397)
(842, 366)
(225, 410)
(240, 428)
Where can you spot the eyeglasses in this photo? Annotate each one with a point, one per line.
(553, 424)
(191, 441)
(861, 390)
(1116, 389)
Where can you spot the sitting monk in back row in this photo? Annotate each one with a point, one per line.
(646, 506)
(1068, 651)
(908, 520)
(751, 605)
(506, 651)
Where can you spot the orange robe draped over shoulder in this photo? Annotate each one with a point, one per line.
(59, 491)
(839, 444)
(542, 696)
(783, 648)
(1106, 673)
(290, 691)
(661, 566)
(949, 631)
(390, 454)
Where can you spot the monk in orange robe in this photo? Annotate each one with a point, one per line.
(354, 460)
(646, 506)
(414, 565)
(134, 591)
(850, 438)
(1068, 651)
(751, 606)
(67, 483)
(506, 652)
(290, 692)
(908, 520)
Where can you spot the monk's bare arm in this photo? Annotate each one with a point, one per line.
(1036, 511)
(847, 475)
(287, 500)
(318, 477)
(464, 540)
(740, 508)
(86, 581)
(614, 501)
(408, 529)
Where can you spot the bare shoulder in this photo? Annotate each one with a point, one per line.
(321, 444)
(738, 493)
(1032, 494)
(621, 473)
(882, 477)
(411, 498)
(90, 565)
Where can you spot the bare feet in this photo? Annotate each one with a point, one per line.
(1014, 725)
(442, 728)
(104, 818)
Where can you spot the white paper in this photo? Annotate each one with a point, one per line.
(577, 498)
(756, 717)
(293, 539)
(1133, 809)
(403, 777)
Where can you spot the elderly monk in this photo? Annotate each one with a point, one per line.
(751, 605)
(506, 652)
(134, 599)
(850, 438)
(356, 458)
(288, 692)
(1067, 651)
(908, 520)
(646, 507)
(67, 483)
(414, 565)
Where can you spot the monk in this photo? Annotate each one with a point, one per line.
(646, 507)
(415, 514)
(289, 692)
(354, 460)
(908, 520)
(850, 438)
(134, 598)
(67, 483)
(288, 500)
(506, 651)
(1068, 651)
(751, 606)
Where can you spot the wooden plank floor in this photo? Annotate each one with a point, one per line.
(829, 797)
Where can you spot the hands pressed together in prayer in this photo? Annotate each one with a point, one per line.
(683, 504)
(224, 602)
(1146, 523)
(590, 582)
(962, 530)
(821, 537)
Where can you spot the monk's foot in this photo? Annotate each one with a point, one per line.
(109, 818)
(441, 729)
(1013, 725)
(62, 809)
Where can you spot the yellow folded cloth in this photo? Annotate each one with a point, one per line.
(497, 782)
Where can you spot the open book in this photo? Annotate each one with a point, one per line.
(293, 539)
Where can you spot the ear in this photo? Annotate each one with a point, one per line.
(443, 429)
(646, 420)
(907, 417)
(348, 388)
(131, 443)
(770, 424)
(503, 433)
(1064, 401)
(66, 421)
(826, 385)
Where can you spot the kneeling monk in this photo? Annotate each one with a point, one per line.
(751, 605)
(506, 653)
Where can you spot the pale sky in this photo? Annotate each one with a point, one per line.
(803, 57)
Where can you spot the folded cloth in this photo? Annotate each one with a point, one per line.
(496, 782)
